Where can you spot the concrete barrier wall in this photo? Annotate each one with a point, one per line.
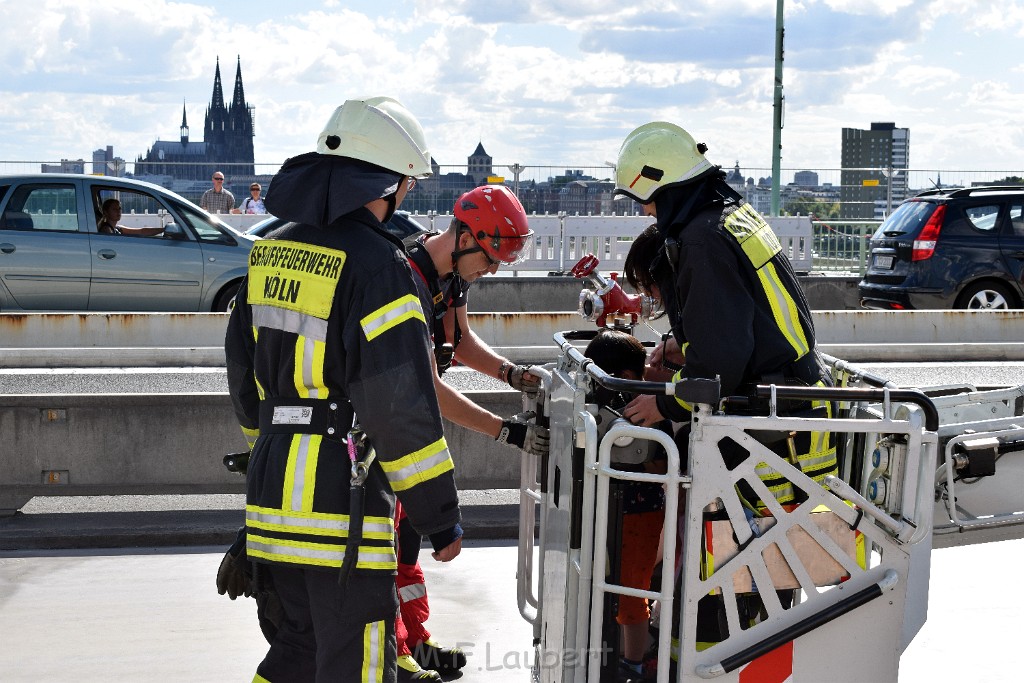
(167, 339)
(173, 444)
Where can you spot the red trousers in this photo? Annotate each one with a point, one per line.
(410, 627)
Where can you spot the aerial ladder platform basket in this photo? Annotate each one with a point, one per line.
(841, 579)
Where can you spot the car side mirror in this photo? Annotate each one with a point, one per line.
(173, 231)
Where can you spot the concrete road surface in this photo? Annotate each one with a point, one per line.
(98, 615)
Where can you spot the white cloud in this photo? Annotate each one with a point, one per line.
(538, 82)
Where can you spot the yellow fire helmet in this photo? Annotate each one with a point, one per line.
(656, 155)
(379, 130)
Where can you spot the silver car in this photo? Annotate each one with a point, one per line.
(53, 257)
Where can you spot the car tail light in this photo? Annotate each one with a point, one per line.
(924, 245)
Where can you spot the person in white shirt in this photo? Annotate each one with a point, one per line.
(253, 203)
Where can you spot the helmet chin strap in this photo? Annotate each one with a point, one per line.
(458, 253)
(392, 200)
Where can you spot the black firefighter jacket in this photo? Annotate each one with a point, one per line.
(332, 315)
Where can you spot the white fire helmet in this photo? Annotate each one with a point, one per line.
(379, 130)
(656, 155)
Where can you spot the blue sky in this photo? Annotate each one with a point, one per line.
(557, 83)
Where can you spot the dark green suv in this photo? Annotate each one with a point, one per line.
(949, 248)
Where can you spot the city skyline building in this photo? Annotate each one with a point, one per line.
(874, 170)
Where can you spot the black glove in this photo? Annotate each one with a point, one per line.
(233, 575)
(521, 379)
(529, 437)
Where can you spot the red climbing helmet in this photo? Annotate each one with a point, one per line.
(497, 221)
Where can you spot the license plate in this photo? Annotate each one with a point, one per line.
(883, 261)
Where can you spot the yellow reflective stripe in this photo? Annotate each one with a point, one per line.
(388, 316)
(309, 478)
(755, 236)
(300, 472)
(376, 558)
(784, 309)
(783, 490)
(374, 636)
(319, 554)
(259, 679)
(676, 378)
(419, 466)
(308, 374)
(299, 552)
(299, 371)
(251, 435)
(318, 385)
(862, 551)
(295, 276)
(316, 523)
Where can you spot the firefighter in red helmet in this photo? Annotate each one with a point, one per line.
(489, 229)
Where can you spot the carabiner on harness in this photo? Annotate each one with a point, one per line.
(362, 455)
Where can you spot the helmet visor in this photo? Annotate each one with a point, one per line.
(508, 249)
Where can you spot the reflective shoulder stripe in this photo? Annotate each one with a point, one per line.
(754, 235)
(784, 309)
(388, 316)
(418, 467)
(295, 276)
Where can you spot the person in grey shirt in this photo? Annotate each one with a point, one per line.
(217, 199)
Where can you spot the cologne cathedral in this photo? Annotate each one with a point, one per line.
(226, 144)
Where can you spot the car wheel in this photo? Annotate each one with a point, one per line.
(986, 296)
(224, 299)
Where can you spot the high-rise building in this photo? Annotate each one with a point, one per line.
(874, 170)
(105, 163)
(805, 179)
(228, 131)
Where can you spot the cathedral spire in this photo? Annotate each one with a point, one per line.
(218, 92)
(238, 98)
(184, 125)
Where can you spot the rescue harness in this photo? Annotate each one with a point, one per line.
(419, 259)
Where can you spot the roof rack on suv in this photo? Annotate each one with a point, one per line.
(968, 191)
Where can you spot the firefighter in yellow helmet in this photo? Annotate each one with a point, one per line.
(734, 303)
(328, 359)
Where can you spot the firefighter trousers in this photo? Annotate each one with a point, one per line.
(330, 632)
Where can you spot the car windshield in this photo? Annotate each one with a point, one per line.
(206, 227)
(907, 219)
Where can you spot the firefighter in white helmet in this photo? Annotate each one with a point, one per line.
(328, 340)
(489, 229)
(736, 308)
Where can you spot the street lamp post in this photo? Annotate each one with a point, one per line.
(778, 102)
(516, 169)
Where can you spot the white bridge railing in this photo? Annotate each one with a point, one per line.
(561, 239)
